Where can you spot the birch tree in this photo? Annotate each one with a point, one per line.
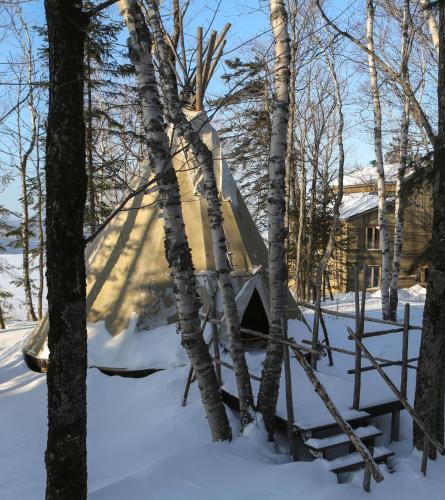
(270, 377)
(378, 148)
(176, 245)
(430, 381)
(339, 196)
(176, 116)
(399, 198)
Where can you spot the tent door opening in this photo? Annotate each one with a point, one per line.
(254, 318)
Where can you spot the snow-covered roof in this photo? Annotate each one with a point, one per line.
(368, 174)
(357, 203)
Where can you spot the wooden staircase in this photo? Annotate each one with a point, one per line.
(326, 442)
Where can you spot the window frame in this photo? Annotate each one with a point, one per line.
(372, 277)
(375, 232)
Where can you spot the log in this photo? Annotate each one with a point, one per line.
(384, 365)
(399, 396)
(352, 316)
(269, 338)
(343, 424)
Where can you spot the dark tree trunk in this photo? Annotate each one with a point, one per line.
(66, 184)
(430, 382)
(2, 321)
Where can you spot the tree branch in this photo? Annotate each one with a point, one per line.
(100, 7)
(417, 110)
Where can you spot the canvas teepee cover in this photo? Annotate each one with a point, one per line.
(129, 288)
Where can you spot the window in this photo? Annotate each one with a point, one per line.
(373, 238)
(372, 276)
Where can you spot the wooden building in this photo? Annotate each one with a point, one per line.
(359, 236)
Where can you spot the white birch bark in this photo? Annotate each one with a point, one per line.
(204, 158)
(431, 22)
(382, 215)
(399, 201)
(270, 376)
(176, 245)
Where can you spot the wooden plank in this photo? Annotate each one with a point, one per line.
(355, 462)
(323, 444)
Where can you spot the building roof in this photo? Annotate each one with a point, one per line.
(364, 175)
(358, 203)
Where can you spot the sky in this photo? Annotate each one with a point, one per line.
(249, 20)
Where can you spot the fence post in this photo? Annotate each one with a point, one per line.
(359, 325)
(404, 374)
(315, 329)
(288, 386)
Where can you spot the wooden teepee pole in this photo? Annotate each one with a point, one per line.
(199, 75)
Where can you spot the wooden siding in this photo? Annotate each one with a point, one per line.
(353, 250)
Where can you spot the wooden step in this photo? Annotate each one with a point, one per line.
(355, 460)
(351, 416)
(364, 433)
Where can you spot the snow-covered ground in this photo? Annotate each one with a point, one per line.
(143, 444)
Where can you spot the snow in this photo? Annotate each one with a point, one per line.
(356, 203)
(361, 432)
(367, 174)
(143, 444)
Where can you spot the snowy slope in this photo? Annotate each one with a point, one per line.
(143, 444)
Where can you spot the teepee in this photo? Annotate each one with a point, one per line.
(130, 294)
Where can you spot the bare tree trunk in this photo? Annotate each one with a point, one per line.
(382, 216)
(2, 321)
(66, 183)
(310, 260)
(270, 376)
(431, 21)
(399, 201)
(23, 169)
(204, 157)
(91, 206)
(176, 245)
(430, 381)
(302, 199)
(40, 232)
(338, 200)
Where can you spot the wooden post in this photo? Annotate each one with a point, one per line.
(404, 374)
(367, 474)
(199, 88)
(395, 418)
(288, 385)
(358, 353)
(187, 386)
(208, 61)
(315, 327)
